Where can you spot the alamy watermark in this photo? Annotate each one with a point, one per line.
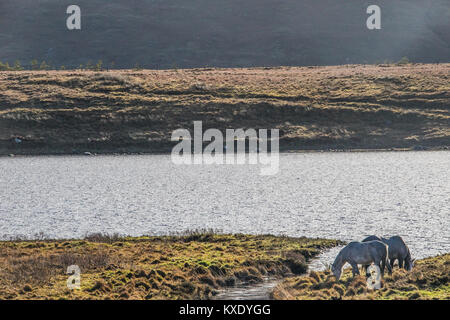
(374, 20)
(74, 280)
(73, 22)
(230, 150)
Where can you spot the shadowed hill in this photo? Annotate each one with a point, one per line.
(161, 34)
(345, 107)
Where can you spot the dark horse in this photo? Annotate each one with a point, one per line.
(397, 249)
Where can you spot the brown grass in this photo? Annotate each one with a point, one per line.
(342, 107)
(192, 266)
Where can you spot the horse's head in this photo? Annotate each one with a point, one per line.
(409, 263)
(336, 271)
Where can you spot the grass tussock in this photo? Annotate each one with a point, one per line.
(428, 280)
(189, 266)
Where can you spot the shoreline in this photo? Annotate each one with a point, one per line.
(290, 151)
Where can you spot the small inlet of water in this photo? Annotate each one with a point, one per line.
(246, 291)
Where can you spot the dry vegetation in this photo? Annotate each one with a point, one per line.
(192, 266)
(428, 280)
(344, 107)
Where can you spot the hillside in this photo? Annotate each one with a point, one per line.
(320, 108)
(161, 34)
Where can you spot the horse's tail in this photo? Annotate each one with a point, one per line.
(386, 260)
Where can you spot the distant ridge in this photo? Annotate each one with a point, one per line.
(161, 34)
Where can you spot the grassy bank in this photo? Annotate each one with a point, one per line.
(430, 279)
(192, 266)
(315, 108)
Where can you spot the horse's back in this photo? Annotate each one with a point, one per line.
(397, 247)
(397, 240)
(378, 249)
(366, 252)
(365, 244)
(371, 238)
(380, 245)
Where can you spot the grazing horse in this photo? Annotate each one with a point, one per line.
(398, 250)
(363, 253)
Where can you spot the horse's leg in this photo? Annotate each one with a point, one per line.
(365, 268)
(355, 269)
(382, 265)
(391, 262)
(389, 266)
(400, 263)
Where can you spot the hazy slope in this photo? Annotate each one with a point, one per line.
(232, 33)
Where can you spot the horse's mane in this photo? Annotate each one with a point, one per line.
(338, 258)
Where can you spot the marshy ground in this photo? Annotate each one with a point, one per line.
(191, 266)
(429, 279)
(315, 108)
(197, 266)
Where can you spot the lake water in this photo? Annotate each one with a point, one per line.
(336, 195)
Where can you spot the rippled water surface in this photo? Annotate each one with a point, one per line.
(255, 291)
(335, 195)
